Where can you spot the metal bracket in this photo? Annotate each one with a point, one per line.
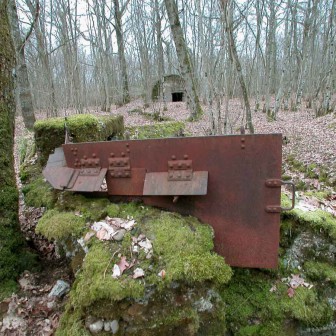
(277, 183)
(89, 166)
(119, 167)
(180, 170)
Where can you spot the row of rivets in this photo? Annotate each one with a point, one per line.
(242, 143)
(185, 156)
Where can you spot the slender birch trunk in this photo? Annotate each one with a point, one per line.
(184, 60)
(22, 79)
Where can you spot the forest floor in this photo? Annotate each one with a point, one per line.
(311, 141)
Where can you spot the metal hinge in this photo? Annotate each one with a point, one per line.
(277, 183)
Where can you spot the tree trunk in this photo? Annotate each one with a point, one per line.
(11, 240)
(22, 80)
(184, 60)
(121, 51)
(45, 59)
(227, 11)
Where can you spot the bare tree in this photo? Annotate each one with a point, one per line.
(227, 7)
(22, 79)
(184, 60)
(11, 240)
(118, 13)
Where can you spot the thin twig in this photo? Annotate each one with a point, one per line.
(37, 11)
(110, 261)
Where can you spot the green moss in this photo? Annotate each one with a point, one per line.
(91, 208)
(71, 324)
(301, 185)
(161, 130)
(7, 288)
(306, 307)
(288, 231)
(249, 302)
(60, 225)
(252, 309)
(319, 271)
(323, 175)
(286, 177)
(285, 201)
(182, 247)
(29, 172)
(50, 133)
(39, 194)
(186, 250)
(311, 171)
(320, 195)
(318, 220)
(113, 210)
(92, 285)
(156, 116)
(135, 210)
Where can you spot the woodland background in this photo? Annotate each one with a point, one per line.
(83, 54)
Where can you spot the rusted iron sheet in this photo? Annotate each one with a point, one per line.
(132, 186)
(237, 195)
(160, 184)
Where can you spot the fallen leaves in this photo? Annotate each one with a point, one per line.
(35, 311)
(138, 273)
(111, 228)
(293, 282)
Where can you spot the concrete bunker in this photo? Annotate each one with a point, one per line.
(170, 88)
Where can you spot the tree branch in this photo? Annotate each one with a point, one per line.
(37, 12)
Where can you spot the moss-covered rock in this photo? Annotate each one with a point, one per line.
(160, 130)
(50, 133)
(318, 220)
(60, 225)
(321, 271)
(147, 306)
(91, 208)
(254, 309)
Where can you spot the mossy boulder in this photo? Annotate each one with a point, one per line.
(56, 225)
(91, 208)
(185, 300)
(159, 130)
(258, 304)
(50, 133)
(319, 220)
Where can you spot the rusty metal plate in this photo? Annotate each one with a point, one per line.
(159, 184)
(88, 182)
(126, 186)
(237, 195)
(56, 172)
